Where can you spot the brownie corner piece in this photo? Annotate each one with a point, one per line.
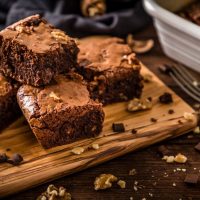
(110, 68)
(9, 109)
(33, 51)
(58, 114)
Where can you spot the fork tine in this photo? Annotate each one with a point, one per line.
(186, 72)
(184, 88)
(186, 81)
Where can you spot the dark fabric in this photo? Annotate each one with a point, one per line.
(122, 16)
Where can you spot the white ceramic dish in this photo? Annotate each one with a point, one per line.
(180, 39)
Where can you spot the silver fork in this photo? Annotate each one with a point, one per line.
(187, 82)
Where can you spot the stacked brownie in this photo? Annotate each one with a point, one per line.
(62, 92)
(9, 109)
(55, 102)
(110, 68)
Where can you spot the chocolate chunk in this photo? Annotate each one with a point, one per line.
(134, 131)
(197, 147)
(3, 157)
(118, 127)
(191, 178)
(170, 111)
(16, 159)
(153, 119)
(164, 151)
(166, 98)
(165, 69)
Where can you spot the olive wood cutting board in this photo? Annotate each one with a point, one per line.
(42, 165)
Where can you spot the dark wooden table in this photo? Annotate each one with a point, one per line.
(154, 175)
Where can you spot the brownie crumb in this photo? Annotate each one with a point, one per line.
(191, 178)
(16, 159)
(166, 98)
(170, 111)
(118, 127)
(8, 149)
(163, 150)
(153, 119)
(3, 157)
(149, 98)
(180, 122)
(134, 131)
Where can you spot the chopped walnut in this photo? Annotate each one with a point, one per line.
(54, 96)
(197, 130)
(147, 78)
(139, 104)
(24, 29)
(104, 181)
(95, 146)
(179, 158)
(122, 184)
(54, 193)
(78, 150)
(60, 36)
(189, 116)
(132, 172)
(168, 159)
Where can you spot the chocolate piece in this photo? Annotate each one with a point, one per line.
(165, 69)
(153, 119)
(9, 109)
(164, 151)
(197, 147)
(33, 51)
(166, 98)
(110, 68)
(91, 8)
(62, 112)
(118, 127)
(16, 159)
(3, 157)
(191, 178)
(170, 111)
(134, 131)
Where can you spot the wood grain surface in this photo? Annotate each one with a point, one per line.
(41, 165)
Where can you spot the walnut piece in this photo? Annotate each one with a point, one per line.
(78, 150)
(54, 96)
(104, 181)
(180, 158)
(54, 193)
(168, 159)
(122, 184)
(95, 146)
(139, 104)
(197, 130)
(132, 172)
(60, 36)
(189, 116)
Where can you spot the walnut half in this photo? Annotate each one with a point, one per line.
(104, 181)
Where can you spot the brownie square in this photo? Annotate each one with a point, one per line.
(9, 109)
(110, 68)
(33, 51)
(61, 112)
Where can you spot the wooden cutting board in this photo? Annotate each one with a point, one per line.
(41, 165)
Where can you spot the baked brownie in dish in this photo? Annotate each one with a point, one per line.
(9, 109)
(110, 68)
(33, 51)
(61, 112)
(192, 13)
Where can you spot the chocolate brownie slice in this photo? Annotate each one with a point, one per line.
(9, 109)
(61, 112)
(110, 68)
(33, 51)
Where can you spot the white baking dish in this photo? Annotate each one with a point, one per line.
(180, 39)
